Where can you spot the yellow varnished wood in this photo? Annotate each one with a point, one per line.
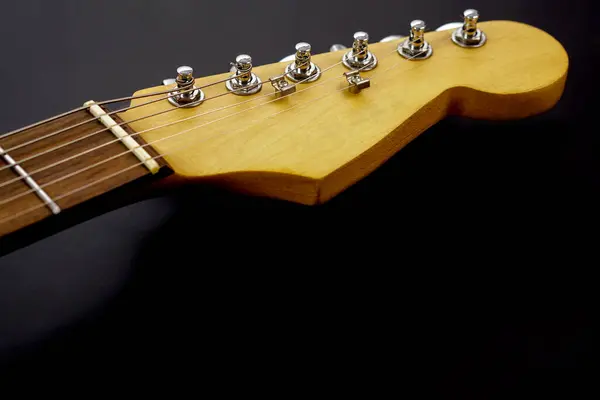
(331, 138)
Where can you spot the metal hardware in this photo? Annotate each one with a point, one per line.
(243, 82)
(415, 47)
(169, 81)
(360, 57)
(356, 82)
(282, 87)
(337, 47)
(468, 35)
(184, 96)
(30, 182)
(390, 38)
(303, 69)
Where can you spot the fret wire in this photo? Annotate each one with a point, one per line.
(138, 119)
(165, 154)
(177, 134)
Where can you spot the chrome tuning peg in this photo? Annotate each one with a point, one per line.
(243, 82)
(468, 35)
(360, 58)
(415, 47)
(302, 69)
(186, 94)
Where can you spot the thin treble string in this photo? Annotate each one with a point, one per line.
(148, 130)
(162, 139)
(101, 103)
(104, 129)
(147, 144)
(73, 111)
(74, 191)
(171, 95)
(140, 118)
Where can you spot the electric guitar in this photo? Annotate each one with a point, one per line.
(301, 130)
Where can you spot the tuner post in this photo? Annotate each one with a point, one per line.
(303, 69)
(360, 58)
(243, 82)
(469, 35)
(415, 47)
(186, 93)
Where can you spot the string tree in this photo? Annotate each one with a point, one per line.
(468, 34)
(359, 57)
(186, 93)
(415, 47)
(356, 82)
(243, 82)
(281, 86)
(303, 69)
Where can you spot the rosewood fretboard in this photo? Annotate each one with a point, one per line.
(8, 211)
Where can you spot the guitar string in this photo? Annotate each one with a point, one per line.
(165, 154)
(111, 101)
(74, 191)
(73, 111)
(149, 116)
(148, 130)
(134, 134)
(155, 128)
(171, 95)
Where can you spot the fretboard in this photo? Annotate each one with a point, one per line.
(34, 188)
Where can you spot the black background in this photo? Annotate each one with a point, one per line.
(468, 249)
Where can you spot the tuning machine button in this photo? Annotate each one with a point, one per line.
(303, 69)
(468, 35)
(243, 82)
(360, 57)
(415, 47)
(186, 93)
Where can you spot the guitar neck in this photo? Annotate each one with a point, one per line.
(304, 141)
(49, 168)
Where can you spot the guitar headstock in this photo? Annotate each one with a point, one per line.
(307, 141)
